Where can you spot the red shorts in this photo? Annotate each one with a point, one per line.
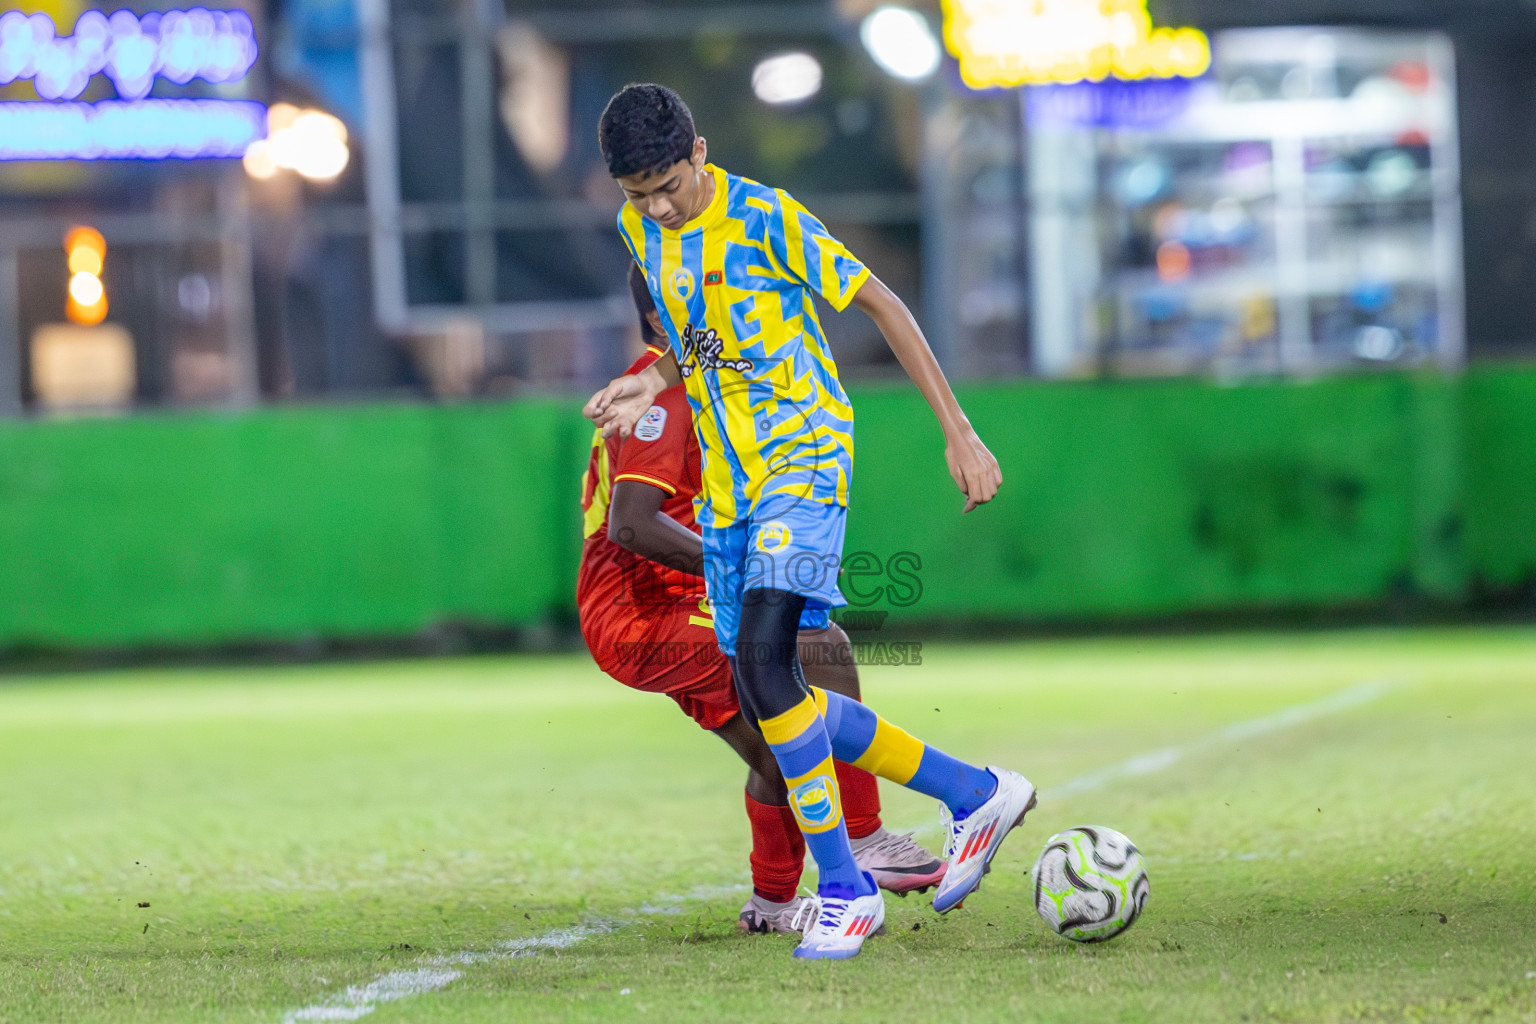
(668, 649)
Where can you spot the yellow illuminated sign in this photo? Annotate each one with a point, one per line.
(1034, 42)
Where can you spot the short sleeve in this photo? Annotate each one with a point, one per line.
(805, 248)
(657, 452)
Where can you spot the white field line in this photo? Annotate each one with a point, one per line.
(1166, 757)
(437, 972)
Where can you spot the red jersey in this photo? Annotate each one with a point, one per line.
(662, 452)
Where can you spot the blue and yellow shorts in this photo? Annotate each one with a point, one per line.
(787, 543)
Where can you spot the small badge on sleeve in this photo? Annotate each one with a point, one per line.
(651, 424)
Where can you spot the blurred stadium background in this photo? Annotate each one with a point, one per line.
(298, 300)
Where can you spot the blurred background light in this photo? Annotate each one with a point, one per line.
(787, 78)
(901, 42)
(216, 46)
(133, 129)
(1009, 44)
(83, 260)
(1142, 181)
(1173, 260)
(1391, 173)
(85, 288)
(258, 160)
(1378, 343)
(311, 143)
(86, 252)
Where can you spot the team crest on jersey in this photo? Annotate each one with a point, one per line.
(703, 348)
(814, 802)
(651, 424)
(681, 284)
(773, 538)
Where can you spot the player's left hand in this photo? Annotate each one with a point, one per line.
(973, 468)
(619, 406)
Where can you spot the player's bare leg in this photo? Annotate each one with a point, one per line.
(778, 851)
(765, 783)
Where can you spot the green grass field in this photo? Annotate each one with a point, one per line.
(295, 831)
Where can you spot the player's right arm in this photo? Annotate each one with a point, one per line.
(659, 462)
(637, 523)
(824, 264)
(619, 406)
(973, 467)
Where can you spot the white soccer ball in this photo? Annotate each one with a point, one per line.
(1090, 883)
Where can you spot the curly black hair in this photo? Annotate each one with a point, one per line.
(645, 127)
(644, 305)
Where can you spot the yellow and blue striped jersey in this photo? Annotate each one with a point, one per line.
(733, 287)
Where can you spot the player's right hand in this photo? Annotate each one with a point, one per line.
(619, 406)
(973, 468)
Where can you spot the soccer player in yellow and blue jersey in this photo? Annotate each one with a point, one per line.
(732, 265)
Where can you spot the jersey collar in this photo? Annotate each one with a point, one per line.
(716, 207)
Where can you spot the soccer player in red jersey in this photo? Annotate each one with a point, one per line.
(643, 614)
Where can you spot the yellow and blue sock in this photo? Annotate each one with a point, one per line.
(801, 745)
(865, 740)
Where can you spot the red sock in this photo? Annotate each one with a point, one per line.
(861, 799)
(778, 851)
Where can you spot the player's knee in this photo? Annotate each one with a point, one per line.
(767, 789)
(826, 656)
(760, 759)
(766, 637)
(767, 650)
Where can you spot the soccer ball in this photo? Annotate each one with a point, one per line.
(1090, 883)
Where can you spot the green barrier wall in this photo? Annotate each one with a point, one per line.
(283, 524)
(1161, 497)
(1121, 500)
(1500, 473)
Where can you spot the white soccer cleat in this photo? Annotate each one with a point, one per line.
(972, 842)
(760, 917)
(835, 929)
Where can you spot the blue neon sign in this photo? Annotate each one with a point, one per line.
(130, 129)
(1113, 103)
(178, 46)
